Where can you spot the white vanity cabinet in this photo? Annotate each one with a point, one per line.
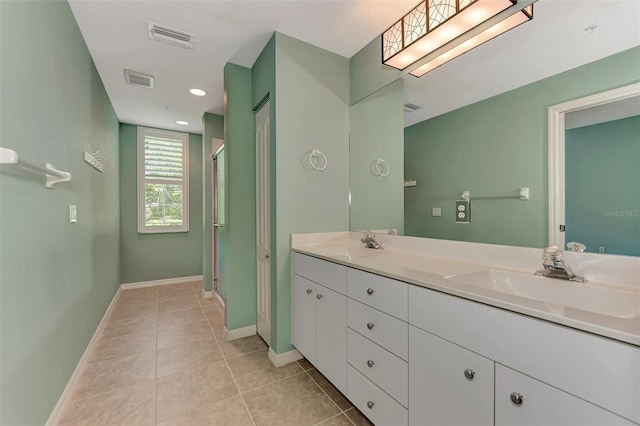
(405, 354)
(320, 316)
(448, 385)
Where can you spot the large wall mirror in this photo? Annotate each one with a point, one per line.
(480, 124)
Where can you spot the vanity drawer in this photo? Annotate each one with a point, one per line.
(382, 293)
(385, 330)
(380, 366)
(374, 403)
(330, 275)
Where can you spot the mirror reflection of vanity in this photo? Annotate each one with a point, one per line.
(483, 127)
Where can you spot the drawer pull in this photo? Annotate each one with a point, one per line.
(370, 404)
(469, 374)
(516, 398)
(308, 291)
(319, 296)
(370, 291)
(370, 363)
(369, 325)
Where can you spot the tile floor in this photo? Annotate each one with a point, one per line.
(162, 359)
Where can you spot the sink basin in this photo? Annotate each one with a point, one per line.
(557, 294)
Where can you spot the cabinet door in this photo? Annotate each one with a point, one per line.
(448, 385)
(536, 403)
(331, 352)
(304, 317)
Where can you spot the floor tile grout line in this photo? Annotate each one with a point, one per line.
(331, 399)
(349, 418)
(243, 353)
(132, 318)
(330, 418)
(272, 383)
(95, 363)
(246, 406)
(323, 391)
(117, 388)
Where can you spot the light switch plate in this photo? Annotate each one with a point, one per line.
(463, 211)
(436, 212)
(73, 213)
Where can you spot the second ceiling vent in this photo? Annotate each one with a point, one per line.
(139, 79)
(171, 36)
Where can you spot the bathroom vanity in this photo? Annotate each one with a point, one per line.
(427, 332)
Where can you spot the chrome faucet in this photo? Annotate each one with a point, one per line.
(554, 266)
(369, 241)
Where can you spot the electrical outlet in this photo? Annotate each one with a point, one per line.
(73, 213)
(602, 249)
(436, 212)
(463, 211)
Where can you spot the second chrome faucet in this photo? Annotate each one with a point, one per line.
(554, 266)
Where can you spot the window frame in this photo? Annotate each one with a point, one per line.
(142, 180)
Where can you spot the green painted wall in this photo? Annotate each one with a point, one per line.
(147, 257)
(312, 110)
(239, 264)
(367, 73)
(602, 181)
(496, 146)
(56, 278)
(213, 127)
(377, 202)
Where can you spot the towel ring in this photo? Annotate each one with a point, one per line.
(316, 153)
(380, 166)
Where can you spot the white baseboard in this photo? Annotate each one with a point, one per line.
(220, 299)
(278, 360)
(168, 281)
(239, 333)
(207, 294)
(77, 373)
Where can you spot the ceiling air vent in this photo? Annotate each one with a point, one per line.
(139, 79)
(411, 107)
(171, 36)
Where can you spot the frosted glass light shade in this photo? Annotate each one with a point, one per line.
(502, 27)
(434, 23)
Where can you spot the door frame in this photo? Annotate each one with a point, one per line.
(215, 261)
(556, 160)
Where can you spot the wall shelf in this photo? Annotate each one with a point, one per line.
(53, 176)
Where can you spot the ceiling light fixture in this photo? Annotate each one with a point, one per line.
(434, 23)
(182, 122)
(197, 92)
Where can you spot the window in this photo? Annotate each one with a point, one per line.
(163, 181)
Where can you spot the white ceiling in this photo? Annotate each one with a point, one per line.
(236, 31)
(226, 31)
(553, 42)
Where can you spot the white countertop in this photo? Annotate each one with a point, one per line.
(429, 270)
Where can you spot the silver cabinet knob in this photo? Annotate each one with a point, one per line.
(469, 374)
(370, 404)
(319, 296)
(309, 291)
(370, 291)
(516, 398)
(370, 363)
(369, 325)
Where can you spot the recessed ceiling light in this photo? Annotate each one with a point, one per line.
(198, 92)
(182, 122)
